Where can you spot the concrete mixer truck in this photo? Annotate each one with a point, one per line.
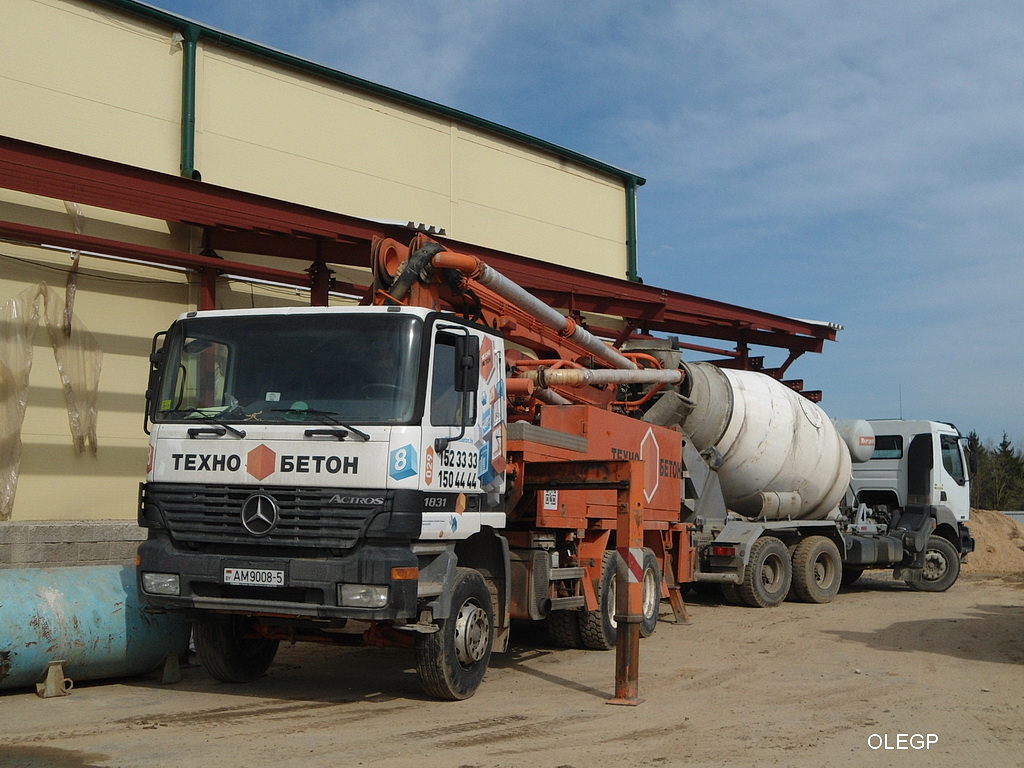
(423, 469)
(779, 509)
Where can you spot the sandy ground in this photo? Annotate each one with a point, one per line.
(797, 685)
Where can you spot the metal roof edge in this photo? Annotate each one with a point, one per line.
(229, 40)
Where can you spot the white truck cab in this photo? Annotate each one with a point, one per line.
(915, 463)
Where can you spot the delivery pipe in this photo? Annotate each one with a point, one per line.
(477, 270)
(582, 377)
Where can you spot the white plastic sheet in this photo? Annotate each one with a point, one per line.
(78, 359)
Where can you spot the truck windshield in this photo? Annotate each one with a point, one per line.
(321, 368)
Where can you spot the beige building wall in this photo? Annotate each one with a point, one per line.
(83, 77)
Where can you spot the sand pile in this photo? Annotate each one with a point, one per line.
(999, 544)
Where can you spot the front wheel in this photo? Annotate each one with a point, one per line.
(228, 652)
(941, 566)
(452, 661)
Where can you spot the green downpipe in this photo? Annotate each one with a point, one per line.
(632, 259)
(189, 44)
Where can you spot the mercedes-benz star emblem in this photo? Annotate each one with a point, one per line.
(260, 514)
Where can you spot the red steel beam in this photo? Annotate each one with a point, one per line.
(25, 233)
(244, 222)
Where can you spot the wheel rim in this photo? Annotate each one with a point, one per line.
(472, 632)
(612, 602)
(935, 565)
(824, 571)
(771, 572)
(651, 597)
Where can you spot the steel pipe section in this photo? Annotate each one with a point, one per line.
(582, 377)
(777, 455)
(510, 291)
(89, 617)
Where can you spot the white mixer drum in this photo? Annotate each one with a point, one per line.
(777, 455)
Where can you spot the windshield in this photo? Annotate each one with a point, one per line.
(324, 368)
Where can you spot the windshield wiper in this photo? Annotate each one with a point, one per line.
(329, 417)
(222, 426)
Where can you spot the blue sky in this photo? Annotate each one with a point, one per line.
(861, 163)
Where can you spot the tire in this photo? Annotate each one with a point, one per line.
(452, 661)
(768, 575)
(564, 629)
(850, 575)
(941, 566)
(597, 627)
(731, 594)
(817, 570)
(227, 655)
(651, 601)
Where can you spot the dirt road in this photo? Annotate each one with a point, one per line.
(860, 682)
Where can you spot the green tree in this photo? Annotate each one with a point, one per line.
(998, 482)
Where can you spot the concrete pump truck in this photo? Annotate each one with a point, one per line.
(422, 469)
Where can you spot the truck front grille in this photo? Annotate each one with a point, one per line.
(205, 514)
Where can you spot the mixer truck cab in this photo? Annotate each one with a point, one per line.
(917, 483)
(916, 463)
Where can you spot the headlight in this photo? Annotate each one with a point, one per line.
(161, 583)
(362, 595)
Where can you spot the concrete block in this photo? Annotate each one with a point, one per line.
(57, 543)
(13, 533)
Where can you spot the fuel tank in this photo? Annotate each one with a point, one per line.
(777, 455)
(89, 617)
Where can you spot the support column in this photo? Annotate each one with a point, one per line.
(629, 584)
(207, 289)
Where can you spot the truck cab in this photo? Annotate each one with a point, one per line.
(915, 463)
(911, 499)
(311, 468)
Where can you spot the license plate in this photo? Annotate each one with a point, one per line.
(254, 577)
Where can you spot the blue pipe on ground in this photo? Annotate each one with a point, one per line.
(90, 617)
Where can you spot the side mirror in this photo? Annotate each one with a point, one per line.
(972, 461)
(157, 358)
(467, 363)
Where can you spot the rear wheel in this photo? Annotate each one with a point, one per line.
(941, 566)
(768, 575)
(227, 654)
(817, 570)
(452, 661)
(597, 627)
(731, 594)
(850, 575)
(651, 594)
(564, 628)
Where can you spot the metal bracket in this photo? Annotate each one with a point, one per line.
(54, 684)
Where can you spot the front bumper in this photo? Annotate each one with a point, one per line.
(310, 588)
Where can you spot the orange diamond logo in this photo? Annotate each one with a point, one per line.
(260, 462)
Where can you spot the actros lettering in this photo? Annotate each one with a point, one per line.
(345, 465)
(206, 462)
(337, 499)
